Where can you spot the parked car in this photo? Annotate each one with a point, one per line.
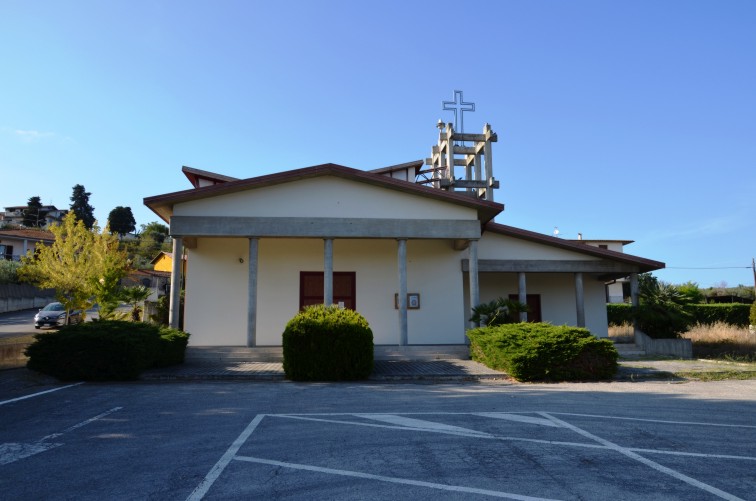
(54, 315)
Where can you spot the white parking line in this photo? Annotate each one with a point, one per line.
(401, 421)
(38, 394)
(656, 466)
(216, 470)
(12, 452)
(393, 480)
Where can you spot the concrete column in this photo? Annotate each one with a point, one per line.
(328, 271)
(522, 294)
(579, 299)
(635, 299)
(252, 260)
(473, 279)
(402, 258)
(175, 303)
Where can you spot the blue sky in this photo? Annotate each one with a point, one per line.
(619, 120)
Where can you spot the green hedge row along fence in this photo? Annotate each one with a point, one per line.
(108, 350)
(732, 313)
(327, 343)
(544, 352)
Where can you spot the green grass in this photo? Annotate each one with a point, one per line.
(716, 375)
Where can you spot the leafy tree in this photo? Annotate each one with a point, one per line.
(152, 239)
(80, 206)
(121, 220)
(9, 271)
(34, 216)
(75, 263)
(691, 292)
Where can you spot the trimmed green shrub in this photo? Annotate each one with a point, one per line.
(729, 313)
(619, 313)
(657, 319)
(327, 343)
(172, 348)
(753, 313)
(105, 350)
(543, 352)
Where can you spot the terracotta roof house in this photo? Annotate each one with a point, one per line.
(412, 247)
(15, 243)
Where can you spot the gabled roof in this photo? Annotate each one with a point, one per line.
(166, 254)
(29, 234)
(162, 205)
(645, 265)
(196, 175)
(392, 168)
(600, 241)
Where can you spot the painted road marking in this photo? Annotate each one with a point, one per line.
(11, 452)
(216, 470)
(393, 480)
(517, 417)
(421, 424)
(661, 421)
(401, 421)
(656, 466)
(38, 394)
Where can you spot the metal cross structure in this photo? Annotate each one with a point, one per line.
(458, 105)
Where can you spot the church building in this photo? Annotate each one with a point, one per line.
(412, 247)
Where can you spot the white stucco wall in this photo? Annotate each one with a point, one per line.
(215, 310)
(557, 291)
(326, 196)
(496, 246)
(216, 297)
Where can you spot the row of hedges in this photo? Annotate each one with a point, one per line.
(706, 314)
(544, 352)
(106, 350)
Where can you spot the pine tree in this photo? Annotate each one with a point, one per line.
(34, 216)
(80, 206)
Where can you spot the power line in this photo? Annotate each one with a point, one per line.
(709, 268)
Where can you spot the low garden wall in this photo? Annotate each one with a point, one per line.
(16, 297)
(678, 348)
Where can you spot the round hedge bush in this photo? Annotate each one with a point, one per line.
(327, 343)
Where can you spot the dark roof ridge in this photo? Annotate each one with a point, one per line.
(573, 245)
(486, 209)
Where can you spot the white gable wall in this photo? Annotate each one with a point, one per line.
(326, 196)
(496, 246)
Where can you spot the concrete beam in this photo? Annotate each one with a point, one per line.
(549, 266)
(301, 227)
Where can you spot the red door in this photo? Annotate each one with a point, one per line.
(311, 288)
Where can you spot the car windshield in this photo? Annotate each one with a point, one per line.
(53, 307)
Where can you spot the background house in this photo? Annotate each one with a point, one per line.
(15, 243)
(48, 214)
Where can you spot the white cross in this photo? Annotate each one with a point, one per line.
(458, 105)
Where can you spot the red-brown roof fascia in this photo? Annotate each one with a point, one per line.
(194, 176)
(162, 205)
(391, 168)
(41, 235)
(574, 245)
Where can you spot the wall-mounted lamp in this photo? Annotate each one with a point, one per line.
(241, 260)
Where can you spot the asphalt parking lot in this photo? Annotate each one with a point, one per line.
(282, 440)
